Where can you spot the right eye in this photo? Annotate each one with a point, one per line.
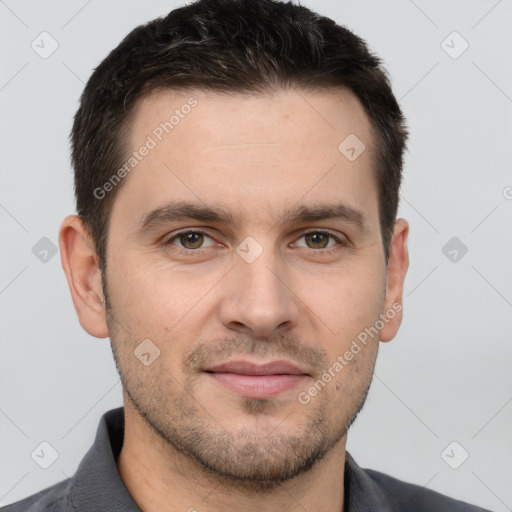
(190, 240)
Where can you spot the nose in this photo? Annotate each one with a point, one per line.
(258, 298)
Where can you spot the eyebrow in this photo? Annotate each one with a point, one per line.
(175, 211)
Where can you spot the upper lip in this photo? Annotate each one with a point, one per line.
(247, 368)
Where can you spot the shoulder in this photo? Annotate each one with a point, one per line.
(403, 496)
(52, 499)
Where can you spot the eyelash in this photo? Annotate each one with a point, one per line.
(190, 252)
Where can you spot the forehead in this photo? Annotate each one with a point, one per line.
(241, 151)
(226, 124)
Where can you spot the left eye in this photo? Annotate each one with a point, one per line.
(318, 239)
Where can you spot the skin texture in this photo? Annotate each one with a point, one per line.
(189, 442)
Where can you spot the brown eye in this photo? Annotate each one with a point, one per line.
(189, 240)
(317, 240)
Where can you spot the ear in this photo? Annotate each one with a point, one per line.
(397, 268)
(80, 264)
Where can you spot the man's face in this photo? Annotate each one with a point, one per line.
(257, 288)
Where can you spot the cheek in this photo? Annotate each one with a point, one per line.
(168, 306)
(148, 292)
(347, 302)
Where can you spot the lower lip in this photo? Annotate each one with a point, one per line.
(257, 386)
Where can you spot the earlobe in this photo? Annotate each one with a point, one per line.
(80, 265)
(396, 271)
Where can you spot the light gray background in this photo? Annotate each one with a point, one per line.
(446, 376)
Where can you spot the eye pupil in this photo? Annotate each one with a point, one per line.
(318, 239)
(195, 239)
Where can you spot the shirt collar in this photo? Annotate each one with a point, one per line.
(362, 493)
(97, 484)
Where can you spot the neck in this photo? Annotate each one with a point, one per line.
(161, 479)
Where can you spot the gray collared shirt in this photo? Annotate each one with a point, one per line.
(97, 486)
